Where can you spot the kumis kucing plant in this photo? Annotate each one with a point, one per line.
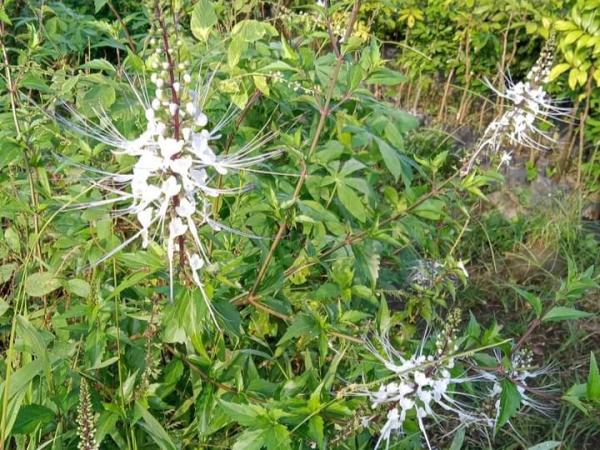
(215, 236)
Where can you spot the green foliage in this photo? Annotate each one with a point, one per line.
(359, 198)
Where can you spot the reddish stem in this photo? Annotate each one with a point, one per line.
(174, 97)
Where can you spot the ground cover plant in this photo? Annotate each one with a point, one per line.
(292, 224)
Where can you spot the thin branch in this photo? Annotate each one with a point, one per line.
(324, 113)
(130, 41)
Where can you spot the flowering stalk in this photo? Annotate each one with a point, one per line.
(85, 419)
(422, 383)
(168, 190)
(518, 125)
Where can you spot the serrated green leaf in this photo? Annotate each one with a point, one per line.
(277, 438)
(244, 414)
(250, 440)
(303, 324)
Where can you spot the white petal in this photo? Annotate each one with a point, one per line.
(170, 187)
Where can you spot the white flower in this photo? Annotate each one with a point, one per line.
(170, 187)
(421, 379)
(196, 263)
(167, 191)
(421, 384)
(201, 119)
(169, 147)
(186, 208)
(190, 108)
(145, 217)
(177, 228)
(529, 104)
(520, 370)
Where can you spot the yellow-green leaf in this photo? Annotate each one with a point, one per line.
(261, 84)
(573, 36)
(573, 78)
(203, 19)
(557, 70)
(564, 25)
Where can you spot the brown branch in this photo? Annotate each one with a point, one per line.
(123, 25)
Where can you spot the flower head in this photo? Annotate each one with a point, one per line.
(529, 105)
(519, 369)
(168, 190)
(421, 387)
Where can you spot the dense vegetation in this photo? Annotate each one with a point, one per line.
(292, 224)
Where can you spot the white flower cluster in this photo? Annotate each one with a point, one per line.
(168, 188)
(530, 105)
(421, 383)
(520, 371)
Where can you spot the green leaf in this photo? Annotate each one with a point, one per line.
(229, 316)
(564, 25)
(458, 440)
(250, 440)
(154, 428)
(533, 300)
(23, 376)
(41, 283)
(558, 70)
(98, 4)
(31, 417)
(35, 82)
(386, 77)
(78, 287)
(573, 75)
(3, 307)
(351, 202)
(563, 313)
(277, 438)
(6, 271)
(304, 324)
(510, 402)
(99, 96)
(244, 414)
(203, 19)
(261, 84)
(390, 158)
(253, 30)
(98, 64)
(593, 381)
